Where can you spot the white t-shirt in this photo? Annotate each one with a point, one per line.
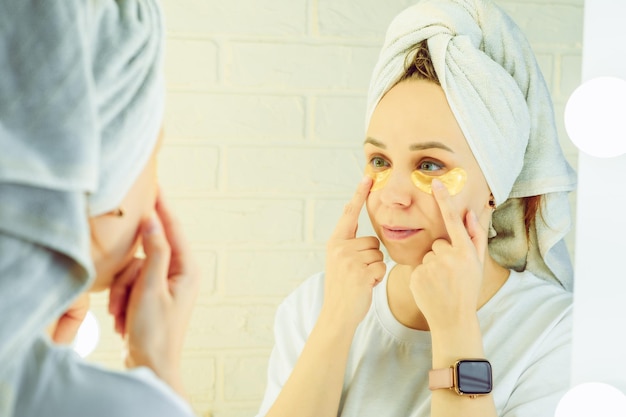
(53, 381)
(526, 328)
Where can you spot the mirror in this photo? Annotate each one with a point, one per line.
(264, 131)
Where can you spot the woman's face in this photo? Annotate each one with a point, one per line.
(413, 128)
(115, 239)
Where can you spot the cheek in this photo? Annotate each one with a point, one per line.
(114, 242)
(476, 196)
(141, 199)
(370, 206)
(126, 246)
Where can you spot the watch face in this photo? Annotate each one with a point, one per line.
(473, 377)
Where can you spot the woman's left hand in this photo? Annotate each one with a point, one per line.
(446, 286)
(119, 293)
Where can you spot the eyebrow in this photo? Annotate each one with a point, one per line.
(412, 147)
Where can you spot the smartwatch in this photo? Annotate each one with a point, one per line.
(471, 377)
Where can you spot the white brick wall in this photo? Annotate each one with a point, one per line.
(263, 148)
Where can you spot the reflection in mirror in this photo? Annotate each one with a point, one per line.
(265, 122)
(479, 278)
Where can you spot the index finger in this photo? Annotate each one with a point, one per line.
(349, 221)
(174, 234)
(452, 220)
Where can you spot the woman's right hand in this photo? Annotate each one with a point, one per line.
(161, 298)
(354, 266)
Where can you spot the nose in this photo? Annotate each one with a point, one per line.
(399, 189)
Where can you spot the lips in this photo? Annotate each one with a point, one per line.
(398, 232)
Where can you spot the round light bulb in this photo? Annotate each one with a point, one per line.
(592, 399)
(595, 117)
(88, 336)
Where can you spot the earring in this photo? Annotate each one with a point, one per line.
(118, 212)
(492, 231)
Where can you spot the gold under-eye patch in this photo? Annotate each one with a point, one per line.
(380, 178)
(453, 180)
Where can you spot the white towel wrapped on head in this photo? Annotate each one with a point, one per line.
(495, 89)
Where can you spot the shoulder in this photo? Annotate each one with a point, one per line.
(528, 335)
(309, 291)
(530, 309)
(303, 305)
(59, 382)
(527, 291)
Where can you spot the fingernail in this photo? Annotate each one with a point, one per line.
(365, 179)
(152, 225)
(474, 216)
(436, 184)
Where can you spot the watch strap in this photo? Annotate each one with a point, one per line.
(441, 378)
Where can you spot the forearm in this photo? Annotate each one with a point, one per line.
(175, 380)
(315, 384)
(463, 340)
(354, 267)
(164, 366)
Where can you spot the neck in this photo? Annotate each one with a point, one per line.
(403, 305)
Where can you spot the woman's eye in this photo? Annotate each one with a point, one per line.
(378, 162)
(429, 166)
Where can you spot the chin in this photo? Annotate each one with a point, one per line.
(403, 256)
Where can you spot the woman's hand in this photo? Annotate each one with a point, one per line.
(163, 289)
(446, 286)
(119, 293)
(64, 329)
(354, 266)
(447, 289)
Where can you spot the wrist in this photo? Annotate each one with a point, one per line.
(462, 326)
(335, 334)
(166, 370)
(337, 323)
(338, 318)
(472, 377)
(461, 340)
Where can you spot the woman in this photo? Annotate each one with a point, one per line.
(80, 115)
(466, 188)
